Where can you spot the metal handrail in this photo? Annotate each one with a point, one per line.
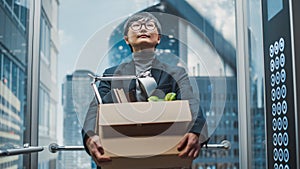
(225, 144)
(17, 151)
(111, 78)
(53, 148)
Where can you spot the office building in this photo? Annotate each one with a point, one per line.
(76, 96)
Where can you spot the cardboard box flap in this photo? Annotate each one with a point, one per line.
(144, 113)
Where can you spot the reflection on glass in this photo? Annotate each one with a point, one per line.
(220, 65)
(48, 87)
(256, 83)
(13, 63)
(76, 90)
(76, 96)
(212, 55)
(209, 54)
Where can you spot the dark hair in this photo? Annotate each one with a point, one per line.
(138, 16)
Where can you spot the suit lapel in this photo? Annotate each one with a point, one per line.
(129, 86)
(129, 69)
(157, 69)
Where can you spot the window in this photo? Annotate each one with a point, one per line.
(15, 79)
(45, 40)
(44, 111)
(52, 117)
(9, 3)
(1, 66)
(6, 72)
(18, 10)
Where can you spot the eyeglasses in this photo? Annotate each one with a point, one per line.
(137, 25)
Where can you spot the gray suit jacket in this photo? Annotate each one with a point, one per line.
(169, 78)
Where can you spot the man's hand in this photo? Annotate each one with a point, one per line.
(96, 150)
(189, 146)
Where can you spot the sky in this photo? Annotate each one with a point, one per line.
(221, 14)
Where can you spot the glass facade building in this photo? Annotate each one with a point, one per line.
(13, 85)
(222, 45)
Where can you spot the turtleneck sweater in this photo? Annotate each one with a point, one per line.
(143, 62)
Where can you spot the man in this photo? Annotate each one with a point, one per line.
(142, 32)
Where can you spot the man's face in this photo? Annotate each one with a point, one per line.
(142, 35)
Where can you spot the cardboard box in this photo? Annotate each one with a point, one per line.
(143, 135)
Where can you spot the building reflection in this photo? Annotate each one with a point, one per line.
(13, 64)
(76, 97)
